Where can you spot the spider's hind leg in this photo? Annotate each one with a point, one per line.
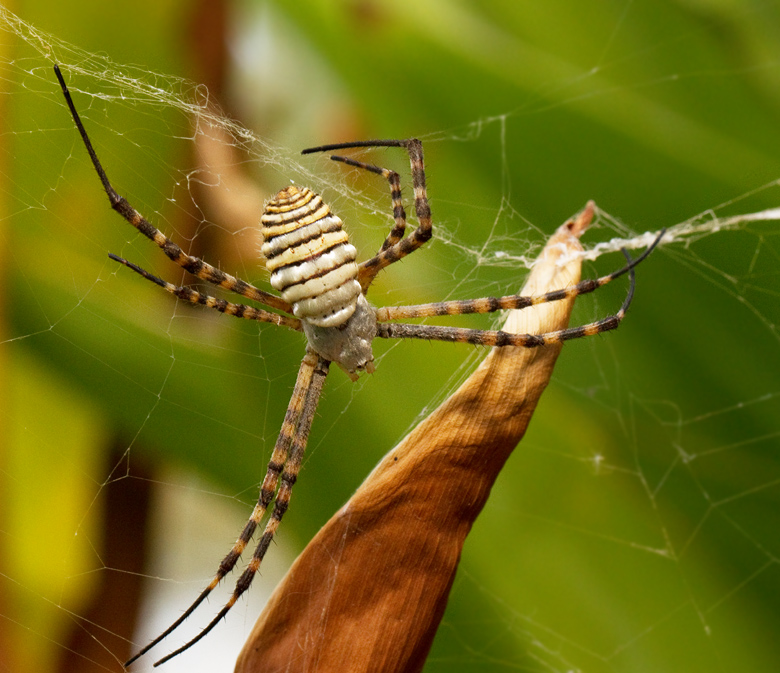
(194, 265)
(394, 247)
(399, 213)
(228, 308)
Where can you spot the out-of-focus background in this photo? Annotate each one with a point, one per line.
(635, 528)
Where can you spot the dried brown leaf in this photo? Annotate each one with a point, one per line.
(369, 591)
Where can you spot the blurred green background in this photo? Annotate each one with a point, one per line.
(636, 526)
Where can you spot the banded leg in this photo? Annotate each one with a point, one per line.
(226, 307)
(399, 213)
(396, 250)
(193, 265)
(288, 478)
(294, 422)
(501, 338)
(515, 301)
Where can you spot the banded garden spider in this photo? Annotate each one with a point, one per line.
(323, 291)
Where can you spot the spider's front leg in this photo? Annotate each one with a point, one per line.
(512, 301)
(284, 466)
(489, 304)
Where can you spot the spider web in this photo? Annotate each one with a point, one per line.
(634, 529)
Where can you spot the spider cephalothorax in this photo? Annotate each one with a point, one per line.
(323, 289)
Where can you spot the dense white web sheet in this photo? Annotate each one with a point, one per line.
(643, 442)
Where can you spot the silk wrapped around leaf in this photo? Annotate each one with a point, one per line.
(368, 592)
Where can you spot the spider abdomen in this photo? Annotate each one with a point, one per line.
(311, 260)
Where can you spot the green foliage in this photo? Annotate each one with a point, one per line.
(635, 528)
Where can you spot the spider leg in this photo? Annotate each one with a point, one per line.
(297, 420)
(515, 301)
(226, 307)
(194, 265)
(393, 249)
(288, 477)
(399, 213)
(501, 338)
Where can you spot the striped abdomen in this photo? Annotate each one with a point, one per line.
(311, 260)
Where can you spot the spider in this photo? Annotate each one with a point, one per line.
(323, 294)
